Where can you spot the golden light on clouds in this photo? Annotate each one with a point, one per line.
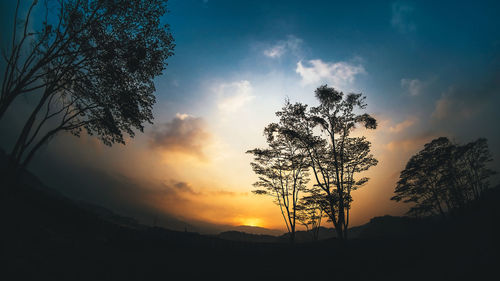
(403, 125)
(185, 134)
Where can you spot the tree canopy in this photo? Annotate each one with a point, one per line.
(283, 172)
(334, 157)
(444, 177)
(90, 64)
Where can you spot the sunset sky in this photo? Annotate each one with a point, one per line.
(427, 68)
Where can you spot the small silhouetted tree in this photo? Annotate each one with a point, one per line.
(444, 177)
(357, 158)
(90, 65)
(310, 211)
(283, 173)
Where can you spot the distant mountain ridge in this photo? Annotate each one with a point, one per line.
(248, 237)
(256, 230)
(301, 236)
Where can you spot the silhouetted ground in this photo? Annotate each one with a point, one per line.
(46, 236)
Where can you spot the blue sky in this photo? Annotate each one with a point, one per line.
(412, 53)
(395, 39)
(428, 69)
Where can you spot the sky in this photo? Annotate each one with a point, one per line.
(427, 68)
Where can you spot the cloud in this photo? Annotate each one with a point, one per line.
(442, 108)
(403, 125)
(409, 144)
(179, 187)
(185, 134)
(451, 106)
(448, 107)
(228, 193)
(337, 73)
(291, 44)
(275, 52)
(470, 99)
(401, 18)
(234, 96)
(413, 86)
(183, 116)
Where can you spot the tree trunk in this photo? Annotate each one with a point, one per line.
(340, 232)
(341, 216)
(44, 140)
(3, 108)
(19, 148)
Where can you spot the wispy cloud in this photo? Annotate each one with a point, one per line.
(185, 134)
(452, 108)
(275, 51)
(409, 143)
(401, 18)
(291, 44)
(233, 96)
(399, 127)
(413, 86)
(339, 74)
(180, 187)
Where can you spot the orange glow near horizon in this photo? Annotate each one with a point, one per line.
(250, 222)
(213, 185)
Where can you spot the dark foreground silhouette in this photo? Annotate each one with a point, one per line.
(46, 236)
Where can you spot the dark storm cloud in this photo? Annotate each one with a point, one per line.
(185, 134)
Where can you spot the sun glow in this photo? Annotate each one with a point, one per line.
(250, 222)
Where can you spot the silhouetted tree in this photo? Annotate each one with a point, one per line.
(335, 157)
(90, 64)
(283, 173)
(471, 169)
(357, 158)
(444, 177)
(421, 181)
(310, 211)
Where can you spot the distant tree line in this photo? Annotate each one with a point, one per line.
(444, 177)
(315, 142)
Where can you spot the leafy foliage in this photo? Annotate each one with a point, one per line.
(334, 157)
(444, 177)
(310, 211)
(283, 172)
(92, 64)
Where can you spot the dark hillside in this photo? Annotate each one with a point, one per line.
(46, 236)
